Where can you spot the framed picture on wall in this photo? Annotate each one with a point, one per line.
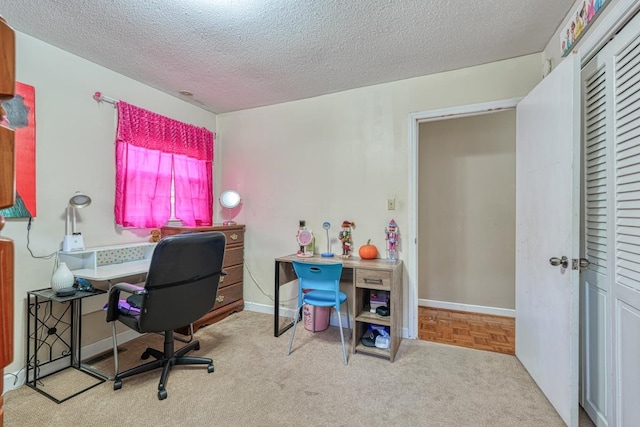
(21, 117)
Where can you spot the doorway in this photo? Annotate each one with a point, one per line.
(414, 295)
(466, 217)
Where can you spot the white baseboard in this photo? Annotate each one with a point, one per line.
(18, 379)
(259, 308)
(470, 308)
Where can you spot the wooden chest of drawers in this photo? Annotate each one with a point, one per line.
(230, 293)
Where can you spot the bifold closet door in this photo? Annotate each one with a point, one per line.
(610, 286)
(626, 280)
(597, 238)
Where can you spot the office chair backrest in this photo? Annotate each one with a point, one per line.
(319, 276)
(182, 282)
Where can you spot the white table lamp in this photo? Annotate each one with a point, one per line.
(73, 240)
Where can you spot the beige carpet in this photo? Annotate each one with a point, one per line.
(256, 384)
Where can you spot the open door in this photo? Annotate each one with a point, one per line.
(547, 232)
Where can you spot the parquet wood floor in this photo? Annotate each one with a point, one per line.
(473, 330)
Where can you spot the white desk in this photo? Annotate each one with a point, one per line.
(105, 263)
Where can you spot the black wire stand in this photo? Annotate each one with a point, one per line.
(54, 330)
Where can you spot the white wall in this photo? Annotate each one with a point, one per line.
(339, 157)
(74, 151)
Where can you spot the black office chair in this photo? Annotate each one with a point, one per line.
(181, 286)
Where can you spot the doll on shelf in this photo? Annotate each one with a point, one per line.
(345, 237)
(392, 240)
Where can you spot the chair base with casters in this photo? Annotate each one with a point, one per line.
(165, 360)
(323, 284)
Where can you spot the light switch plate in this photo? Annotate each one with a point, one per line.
(391, 204)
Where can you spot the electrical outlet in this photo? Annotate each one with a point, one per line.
(391, 204)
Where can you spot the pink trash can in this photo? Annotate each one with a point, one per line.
(321, 315)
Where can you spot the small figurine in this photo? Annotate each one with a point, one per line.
(345, 237)
(305, 239)
(155, 236)
(302, 225)
(392, 240)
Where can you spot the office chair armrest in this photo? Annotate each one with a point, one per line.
(128, 287)
(114, 297)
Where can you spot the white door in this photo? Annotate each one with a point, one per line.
(547, 225)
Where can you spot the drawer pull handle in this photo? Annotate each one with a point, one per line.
(234, 236)
(221, 279)
(373, 281)
(220, 298)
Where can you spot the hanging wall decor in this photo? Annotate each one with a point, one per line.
(21, 117)
(579, 22)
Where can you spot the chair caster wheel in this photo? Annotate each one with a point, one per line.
(210, 368)
(117, 384)
(144, 356)
(162, 394)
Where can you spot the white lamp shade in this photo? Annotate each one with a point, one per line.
(230, 199)
(79, 200)
(231, 205)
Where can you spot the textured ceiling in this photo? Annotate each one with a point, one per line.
(238, 54)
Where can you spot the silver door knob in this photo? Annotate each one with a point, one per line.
(584, 263)
(564, 261)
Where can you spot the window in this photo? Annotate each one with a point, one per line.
(153, 154)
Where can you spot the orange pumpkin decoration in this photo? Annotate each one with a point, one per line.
(368, 251)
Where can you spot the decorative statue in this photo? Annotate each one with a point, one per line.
(392, 240)
(345, 237)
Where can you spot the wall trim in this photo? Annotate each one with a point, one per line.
(469, 308)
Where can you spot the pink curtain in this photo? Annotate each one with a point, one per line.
(149, 149)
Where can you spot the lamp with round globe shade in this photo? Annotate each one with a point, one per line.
(231, 205)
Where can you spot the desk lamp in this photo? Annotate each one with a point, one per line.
(231, 205)
(73, 240)
(326, 225)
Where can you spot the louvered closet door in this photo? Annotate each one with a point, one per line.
(610, 286)
(597, 238)
(626, 283)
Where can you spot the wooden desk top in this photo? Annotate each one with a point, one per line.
(351, 262)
